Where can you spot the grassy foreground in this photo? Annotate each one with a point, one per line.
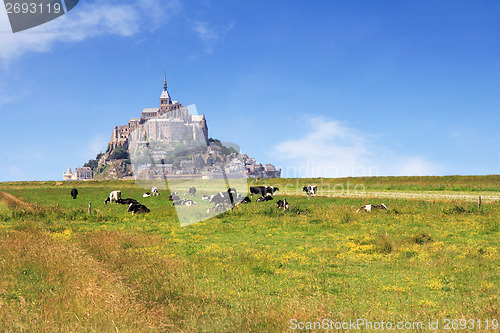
(253, 269)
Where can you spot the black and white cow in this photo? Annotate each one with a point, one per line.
(221, 197)
(146, 195)
(241, 200)
(282, 204)
(154, 191)
(74, 193)
(205, 197)
(263, 190)
(245, 200)
(310, 190)
(220, 207)
(191, 191)
(113, 196)
(233, 195)
(127, 201)
(174, 197)
(369, 208)
(184, 202)
(137, 208)
(228, 197)
(265, 198)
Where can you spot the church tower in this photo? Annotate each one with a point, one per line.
(165, 101)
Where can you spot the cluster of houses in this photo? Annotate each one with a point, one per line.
(210, 165)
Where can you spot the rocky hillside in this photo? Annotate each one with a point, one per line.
(114, 169)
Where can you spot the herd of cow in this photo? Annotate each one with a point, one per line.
(222, 201)
(229, 199)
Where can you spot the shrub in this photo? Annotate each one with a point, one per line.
(455, 210)
(346, 218)
(383, 244)
(421, 238)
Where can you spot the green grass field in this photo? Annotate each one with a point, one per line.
(252, 269)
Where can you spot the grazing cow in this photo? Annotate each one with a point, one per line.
(220, 207)
(113, 196)
(74, 193)
(137, 208)
(184, 202)
(369, 208)
(310, 190)
(282, 204)
(245, 200)
(261, 199)
(174, 196)
(228, 197)
(146, 195)
(154, 192)
(265, 198)
(127, 201)
(233, 195)
(221, 197)
(263, 190)
(191, 191)
(242, 200)
(257, 190)
(205, 197)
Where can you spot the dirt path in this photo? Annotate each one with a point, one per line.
(418, 195)
(409, 195)
(12, 201)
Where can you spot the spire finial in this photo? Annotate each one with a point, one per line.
(164, 80)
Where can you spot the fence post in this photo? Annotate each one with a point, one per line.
(479, 202)
(90, 207)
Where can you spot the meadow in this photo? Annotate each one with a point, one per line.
(254, 268)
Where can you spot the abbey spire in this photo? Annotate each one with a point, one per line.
(164, 81)
(165, 97)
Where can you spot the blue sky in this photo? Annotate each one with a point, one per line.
(318, 88)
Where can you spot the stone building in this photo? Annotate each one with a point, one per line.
(257, 170)
(171, 121)
(84, 173)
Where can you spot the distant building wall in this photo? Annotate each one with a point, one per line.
(84, 173)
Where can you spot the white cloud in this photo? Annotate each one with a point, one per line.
(211, 35)
(331, 149)
(159, 10)
(83, 22)
(416, 166)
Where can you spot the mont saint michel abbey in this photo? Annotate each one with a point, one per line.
(169, 141)
(171, 122)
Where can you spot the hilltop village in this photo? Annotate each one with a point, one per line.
(169, 141)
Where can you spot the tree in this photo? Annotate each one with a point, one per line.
(119, 153)
(214, 141)
(93, 164)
